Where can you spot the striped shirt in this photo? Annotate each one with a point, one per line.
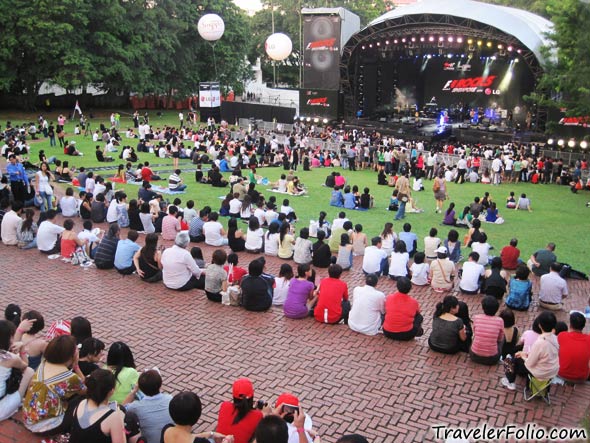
(488, 330)
(170, 227)
(173, 181)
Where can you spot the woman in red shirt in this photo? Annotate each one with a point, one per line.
(333, 304)
(238, 417)
(403, 320)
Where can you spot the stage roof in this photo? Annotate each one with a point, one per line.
(527, 27)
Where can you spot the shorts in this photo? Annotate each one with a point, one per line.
(176, 154)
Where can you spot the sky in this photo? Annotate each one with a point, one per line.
(249, 5)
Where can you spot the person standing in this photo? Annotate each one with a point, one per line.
(403, 194)
(440, 191)
(181, 119)
(17, 176)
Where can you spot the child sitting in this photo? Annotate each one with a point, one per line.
(511, 201)
(288, 211)
(420, 270)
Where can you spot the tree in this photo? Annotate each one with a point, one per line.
(567, 74)
(536, 6)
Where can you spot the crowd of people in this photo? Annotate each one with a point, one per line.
(270, 231)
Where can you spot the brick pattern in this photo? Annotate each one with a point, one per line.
(389, 391)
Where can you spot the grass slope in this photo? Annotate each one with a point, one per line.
(558, 215)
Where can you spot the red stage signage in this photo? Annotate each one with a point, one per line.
(322, 45)
(318, 101)
(469, 84)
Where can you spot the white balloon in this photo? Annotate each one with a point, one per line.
(278, 46)
(211, 27)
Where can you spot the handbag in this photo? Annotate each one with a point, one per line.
(436, 186)
(79, 256)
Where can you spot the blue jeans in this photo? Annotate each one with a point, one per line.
(31, 245)
(401, 212)
(46, 204)
(51, 160)
(52, 141)
(180, 188)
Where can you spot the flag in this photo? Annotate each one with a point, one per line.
(77, 108)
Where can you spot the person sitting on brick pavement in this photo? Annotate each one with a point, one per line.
(93, 419)
(272, 429)
(170, 224)
(449, 334)
(47, 407)
(257, 289)
(442, 271)
(107, 248)
(553, 289)
(495, 280)
(196, 225)
(488, 333)
(121, 362)
(126, 250)
(321, 254)
(300, 295)
(574, 350)
(542, 362)
(375, 258)
(239, 417)
(521, 289)
(185, 410)
(147, 260)
(282, 284)
(403, 320)
(91, 353)
(368, 307)
(48, 235)
(235, 273)
(179, 270)
(299, 424)
(213, 231)
(216, 276)
(10, 222)
(11, 396)
(471, 275)
(149, 405)
(333, 305)
(31, 343)
(541, 260)
(510, 255)
(352, 438)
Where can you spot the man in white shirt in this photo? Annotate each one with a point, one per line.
(553, 288)
(461, 170)
(339, 222)
(10, 224)
(48, 240)
(375, 258)
(472, 274)
(179, 270)
(368, 307)
(214, 232)
(496, 170)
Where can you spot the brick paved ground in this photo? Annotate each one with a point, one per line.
(389, 391)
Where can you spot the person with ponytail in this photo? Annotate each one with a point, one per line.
(448, 334)
(120, 361)
(95, 420)
(239, 417)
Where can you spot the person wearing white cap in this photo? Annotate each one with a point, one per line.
(442, 271)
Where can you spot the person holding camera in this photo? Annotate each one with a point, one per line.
(239, 417)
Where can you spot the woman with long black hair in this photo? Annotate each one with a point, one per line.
(239, 417)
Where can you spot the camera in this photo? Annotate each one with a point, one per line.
(260, 404)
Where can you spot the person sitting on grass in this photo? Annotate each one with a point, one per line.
(403, 320)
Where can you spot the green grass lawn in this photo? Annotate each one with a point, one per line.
(558, 215)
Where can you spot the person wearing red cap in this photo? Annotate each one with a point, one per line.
(238, 417)
(286, 404)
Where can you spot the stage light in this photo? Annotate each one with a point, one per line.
(560, 142)
(510, 48)
(378, 43)
(493, 57)
(550, 141)
(308, 119)
(470, 41)
(450, 56)
(459, 39)
(583, 144)
(479, 43)
(429, 56)
(421, 39)
(516, 60)
(324, 121)
(413, 39)
(571, 143)
(386, 42)
(363, 47)
(505, 83)
(431, 38)
(500, 46)
(519, 51)
(489, 44)
(370, 45)
(441, 38)
(316, 120)
(403, 40)
(450, 39)
(395, 41)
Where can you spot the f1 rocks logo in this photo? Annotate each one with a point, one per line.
(318, 101)
(471, 84)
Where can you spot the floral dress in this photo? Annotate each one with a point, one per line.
(46, 400)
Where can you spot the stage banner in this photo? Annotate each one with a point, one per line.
(321, 54)
(320, 103)
(209, 95)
